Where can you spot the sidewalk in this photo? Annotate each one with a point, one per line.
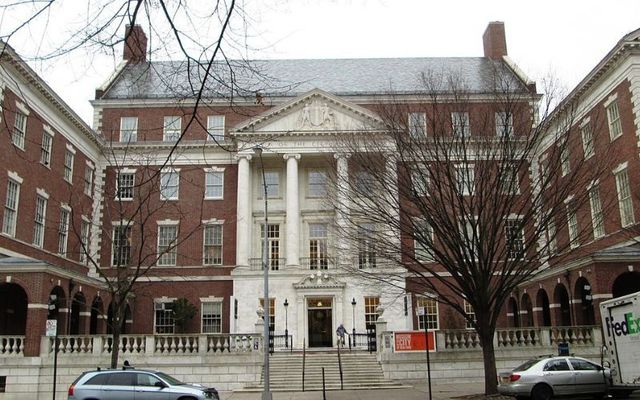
(417, 392)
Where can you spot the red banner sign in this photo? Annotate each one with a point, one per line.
(413, 341)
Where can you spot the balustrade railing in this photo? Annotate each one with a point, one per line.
(575, 335)
(128, 344)
(11, 345)
(317, 263)
(524, 337)
(283, 342)
(172, 344)
(274, 263)
(460, 339)
(72, 344)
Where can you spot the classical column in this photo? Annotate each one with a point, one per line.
(243, 231)
(293, 210)
(391, 179)
(342, 211)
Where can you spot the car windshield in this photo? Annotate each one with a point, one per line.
(169, 379)
(526, 365)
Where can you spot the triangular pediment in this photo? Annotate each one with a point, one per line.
(319, 280)
(315, 111)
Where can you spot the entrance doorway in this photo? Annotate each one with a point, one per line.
(320, 322)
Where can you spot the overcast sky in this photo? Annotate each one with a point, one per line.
(564, 37)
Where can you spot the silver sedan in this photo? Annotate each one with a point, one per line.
(543, 378)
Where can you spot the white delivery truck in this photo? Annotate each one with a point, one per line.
(621, 331)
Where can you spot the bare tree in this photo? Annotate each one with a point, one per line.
(467, 192)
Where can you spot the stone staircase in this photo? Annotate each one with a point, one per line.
(360, 370)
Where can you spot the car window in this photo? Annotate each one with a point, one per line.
(121, 379)
(526, 365)
(100, 379)
(146, 380)
(582, 365)
(557, 365)
(169, 379)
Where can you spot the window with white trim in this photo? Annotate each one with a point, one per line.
(212, 244)
(550, 234)
(273, 245)
(366, 248)
(167, 249)
(63, 231)
(272, 179)
(45, 148)
(214, 185)
(125, 183)
(364, 182)
(429, 314)
(40, 221)
(211, 314)
(11, 208)
(317, 181)
(88, 180)
(510, 180)
(597, 218)
(418, 125)
(121, 246)
(318, 244)
(471, 315)
(68, 165)
(215, 127)
(423, 238)
(504, 124)
(460, 124)
(128, 129)
(465, 179)
(420, 181)
(169, 184)
(371, 304)
(625, 202)
(572, 224)
(613, 117)
(565, 165)
(587, 140)
(164, 320)
(172, 126)
(85, 230)
(514, 238)
(272, 312)
(19, 130)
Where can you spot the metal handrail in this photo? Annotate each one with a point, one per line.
(340, 365)
(304, 356)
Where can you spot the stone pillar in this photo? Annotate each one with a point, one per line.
(293, 211)
(243, 232)
(342, 212)
(35, 329)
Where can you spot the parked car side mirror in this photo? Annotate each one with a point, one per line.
(160, 384)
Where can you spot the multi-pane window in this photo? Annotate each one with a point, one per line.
(212, 244)
(460, 124)
(465, 179)
(214, 184)
(366, 249)
(215, 127)
(212, 317)
(39, 223)
(272, 312)
(371, 311)
(587, 140)
(121, 246)
(63, 231)
(273, 245)
(572, 224)
(552, 246)
(45, 148)
(510, 180)
(514, 238)
(417, 125)
(317, 183)
(624, 198)
(564, 159)
(420, 181)
(471, 315)
(172, 127)
(164, 321)
(504, 124)
(364, 182)
(597, 218)
(68, 165)
(11, 208)
(167, 249)
(272, 180)
(613, 117)
(19, 130)
(423, 240)
(85, 230)
(169, 184)
(427, 313)
(318, 241)
(88, 180)
(128, 129)
(125, 186)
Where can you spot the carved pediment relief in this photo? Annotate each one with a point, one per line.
(319, 280)
(316, 111)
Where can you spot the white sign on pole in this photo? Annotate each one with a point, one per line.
(51, 328)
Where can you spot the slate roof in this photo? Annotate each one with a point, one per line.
(364, 76)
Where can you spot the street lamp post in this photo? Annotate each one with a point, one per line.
(266, 393)
(353, 325)
(286, 324)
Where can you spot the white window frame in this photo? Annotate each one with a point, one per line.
(460, 124)
(420, 181)
(572, 223)
(588, 146)
(470, 314)
(274, 245)
(165, 306)
(504, 124)
(364, 182)
(11, 206)
(88, 180)
(128, 129)
(122, 250)
(69, 158)
(625, 201)
(85, 236)
(272, 310)
(211, 316)
(215, 131)
(550, 232)
(371, 304)
(212, 240)
(465, 179)
(430, 318)
(510, 182)
(514, 233)
(19, 134)
(63, 230)
(167, 246)
(417, 122)
(613, 119)
(40, 220)
(367, 257)
(318, 245)
(273, 185)
(317, 187)
(420, 252)
(597, 218)
(171, 128)
(120, 188)
(170, 190)
(45, 149)
(213, 184)
(565, 162)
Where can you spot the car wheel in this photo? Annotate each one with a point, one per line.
(541, 392)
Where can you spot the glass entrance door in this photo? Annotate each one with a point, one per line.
(319, 315)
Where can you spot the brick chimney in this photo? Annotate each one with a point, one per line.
(135, 45)
(495, 43)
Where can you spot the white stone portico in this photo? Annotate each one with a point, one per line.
(299, 139)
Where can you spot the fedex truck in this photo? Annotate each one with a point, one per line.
(621, 331)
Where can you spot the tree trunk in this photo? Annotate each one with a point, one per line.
(489, 360)
(115, 346)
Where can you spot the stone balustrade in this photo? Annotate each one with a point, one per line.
(11, 345)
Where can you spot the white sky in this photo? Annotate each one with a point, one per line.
(566, 38)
